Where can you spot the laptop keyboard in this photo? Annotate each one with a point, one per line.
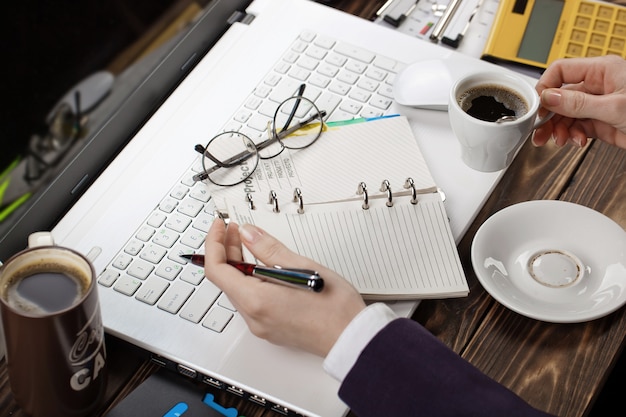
(344, 80)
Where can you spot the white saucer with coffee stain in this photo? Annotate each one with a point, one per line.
(552, 260)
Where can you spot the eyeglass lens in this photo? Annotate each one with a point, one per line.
(229, 158)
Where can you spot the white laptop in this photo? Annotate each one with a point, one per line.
(121, 219)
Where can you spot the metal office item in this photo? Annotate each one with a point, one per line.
(422, 20)
(398, 21)
(443, 23)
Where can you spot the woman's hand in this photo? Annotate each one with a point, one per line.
(588, 97)
(282, 315)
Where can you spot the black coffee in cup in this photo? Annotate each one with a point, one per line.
(491, 102)
(55, 350)
(46, 288)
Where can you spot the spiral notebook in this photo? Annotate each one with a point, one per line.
(365, 205)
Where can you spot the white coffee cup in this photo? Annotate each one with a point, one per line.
(490, 146)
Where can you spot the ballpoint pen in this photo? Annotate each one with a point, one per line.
(305, 279)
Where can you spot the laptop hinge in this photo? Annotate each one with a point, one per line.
(241, 17)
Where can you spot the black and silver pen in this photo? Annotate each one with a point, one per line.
(305, 279)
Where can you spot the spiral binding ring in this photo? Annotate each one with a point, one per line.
(442, 194)
(409, 183)
(274, 201)
(250, 201)
(385, 186)
(363, 190)
(297, 197)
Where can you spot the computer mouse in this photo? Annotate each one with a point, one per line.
(424, 84)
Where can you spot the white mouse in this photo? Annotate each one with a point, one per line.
(424, 84)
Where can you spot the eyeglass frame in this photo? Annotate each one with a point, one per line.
(274, 137)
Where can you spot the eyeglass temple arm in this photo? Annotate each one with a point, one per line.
(294, 128)
(295, 106)
(229, 163)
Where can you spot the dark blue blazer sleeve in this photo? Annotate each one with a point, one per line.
(406, 371)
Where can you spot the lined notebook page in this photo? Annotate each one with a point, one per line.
(331, 168)
(401, 252)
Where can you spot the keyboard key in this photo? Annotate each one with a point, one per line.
(108, 277)
(153, 253)
(193, 274)
(151, 290)
(178, 222)
(200, 302)
(354, 52)
(190, 207)
(225, 302)
(145, 233)
(336, 60)
(168, 270)
(356, 66)
(168, 204)
(133, 247)
(388, 64)
(176, 251)
(165, 238)
(339, 88)
(179, 192)
(200, 192)
(324, 42)
(175, 297)
(140, 269)
(203, 222)
(217, 319)
(348, 77)
(122, 261)
(193, 238)
(156, 219)
(127, 285)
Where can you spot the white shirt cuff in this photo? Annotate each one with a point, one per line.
(355, 337)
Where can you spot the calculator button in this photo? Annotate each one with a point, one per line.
(574, 50)
(621, 16)
(605, 12)
(619, 30)
(617, 43)
(597, 40)
(594, 52)
(579, 36)
(585, 8)
(582, 22)
(601, 26)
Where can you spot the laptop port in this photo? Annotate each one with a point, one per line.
(182, 369)
(213, 382)
(233, 389)
(158, 361)
(280, 409)
(258, 400)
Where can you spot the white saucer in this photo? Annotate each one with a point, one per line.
(553, 261)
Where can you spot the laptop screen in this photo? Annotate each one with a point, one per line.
(86, 79)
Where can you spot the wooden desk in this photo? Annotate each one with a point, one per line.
(559, 368)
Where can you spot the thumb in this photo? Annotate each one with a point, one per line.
(577, 104)
(268, 249)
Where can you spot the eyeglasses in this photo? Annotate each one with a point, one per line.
(231, 157)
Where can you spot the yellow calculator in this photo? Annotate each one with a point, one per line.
(536, 32)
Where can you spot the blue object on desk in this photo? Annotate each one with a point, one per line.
(167, 394)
